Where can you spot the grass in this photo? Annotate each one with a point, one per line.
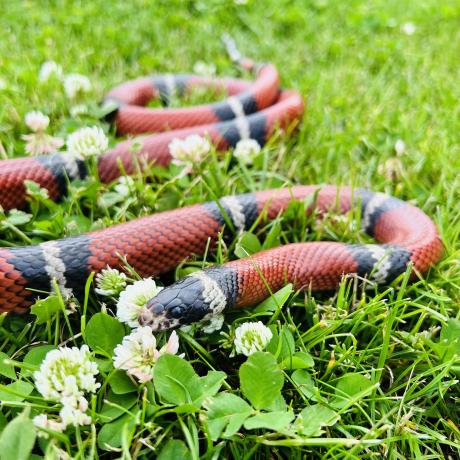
(367, 84)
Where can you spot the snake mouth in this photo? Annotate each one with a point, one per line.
(155, 315)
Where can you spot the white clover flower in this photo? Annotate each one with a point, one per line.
(392, 169)
(41, 143)
(59, 454)
(214, 323)
(189, 328)
(110, 281)
(36, 121)
(43, 422)
(204, 69)
(190, 150)
(49, 69)
(133, 299)
(400, 147)
(66, 373)
(138, 353)
(87, 142)
(246, 150)
(125, 186)
(77, 110)
(75, 414)
(251, 337)
(75, 84)
(208, 325)
(408, 28)
(3, 84)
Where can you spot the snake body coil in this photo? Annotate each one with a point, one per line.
(156, 244)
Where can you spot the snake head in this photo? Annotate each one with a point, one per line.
(180, 303)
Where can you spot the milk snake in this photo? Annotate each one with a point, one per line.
(156, 244)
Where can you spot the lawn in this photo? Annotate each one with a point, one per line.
(377, 370)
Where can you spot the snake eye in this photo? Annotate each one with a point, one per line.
(176, 312)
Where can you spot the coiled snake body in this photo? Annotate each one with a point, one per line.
(252, 110)
(156, 244)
